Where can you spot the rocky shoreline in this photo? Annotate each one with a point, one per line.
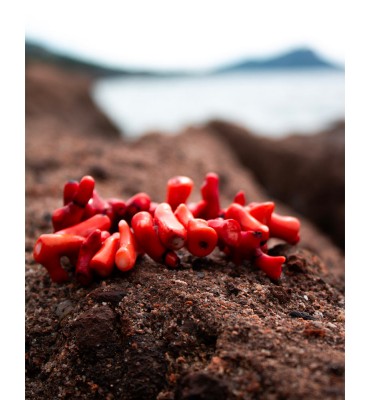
(209, 330)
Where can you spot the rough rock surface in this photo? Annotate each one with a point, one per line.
(209, 330)
(305, 172)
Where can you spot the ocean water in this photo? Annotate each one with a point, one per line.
(269, 103)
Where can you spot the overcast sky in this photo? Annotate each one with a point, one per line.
(185, 34)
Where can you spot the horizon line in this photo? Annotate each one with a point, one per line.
(133, 68)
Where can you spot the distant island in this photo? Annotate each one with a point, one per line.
(35, 52)
(302, 58)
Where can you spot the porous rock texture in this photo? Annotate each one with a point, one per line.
(208, 330)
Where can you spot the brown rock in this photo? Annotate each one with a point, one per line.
(209, 329)
(304, 171)
(63, 98)
(93, 328)
(202, 386)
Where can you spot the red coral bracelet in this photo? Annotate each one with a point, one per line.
(99, 236)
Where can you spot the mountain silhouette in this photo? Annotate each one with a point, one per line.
(297, 58)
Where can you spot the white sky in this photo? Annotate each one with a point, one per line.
(186, 34)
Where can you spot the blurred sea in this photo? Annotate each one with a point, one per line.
(272, 103)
